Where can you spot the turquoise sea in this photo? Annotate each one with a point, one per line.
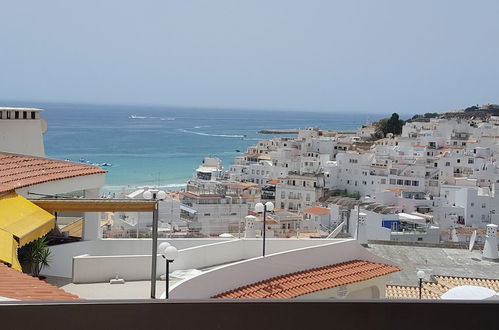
(149, 145)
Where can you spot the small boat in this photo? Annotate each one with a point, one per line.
(237, 150)
(106, 164)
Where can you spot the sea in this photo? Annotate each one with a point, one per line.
(162, 146)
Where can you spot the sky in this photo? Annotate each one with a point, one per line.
(321, 55)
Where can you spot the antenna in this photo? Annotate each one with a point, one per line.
(472, 241)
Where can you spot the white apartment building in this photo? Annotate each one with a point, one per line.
(297, 192)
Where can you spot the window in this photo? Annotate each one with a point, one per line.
(206, 214)
(16, 115)
(447, 163)
(415, 183)
(307, 197)
(25, 115)
(283, 195)
(383, 181)
(407, 182)
(484, 205)
(400, 182)
(471, 161)
(472, 204)
(393, 181)
(420, 239)
(472, 216)
(459, 161)
(33, 115)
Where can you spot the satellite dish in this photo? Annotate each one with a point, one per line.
(472, 240)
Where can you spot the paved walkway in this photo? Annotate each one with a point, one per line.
(434, 261)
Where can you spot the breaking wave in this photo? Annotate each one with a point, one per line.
(144, 117)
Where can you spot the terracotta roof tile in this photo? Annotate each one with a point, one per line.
(317, 210)
(434, 290)
(312, 280)
(18, 171)
(16, 285)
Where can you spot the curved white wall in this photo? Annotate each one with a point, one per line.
(257, 269)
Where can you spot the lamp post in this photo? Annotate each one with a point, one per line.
(421, 274)
(160, 195)
(169, 253)
(260, 207)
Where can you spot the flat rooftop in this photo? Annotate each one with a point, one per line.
(434, 261)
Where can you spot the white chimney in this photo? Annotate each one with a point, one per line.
(249, 228)
(362, 229)
(490, 247)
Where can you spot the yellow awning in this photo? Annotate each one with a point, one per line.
(8, 250)
(23, 219)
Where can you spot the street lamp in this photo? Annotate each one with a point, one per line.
(267, 207)
(156, 196)
(421, 274)
(169, 253)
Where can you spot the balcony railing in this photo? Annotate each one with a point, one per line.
(228, 313)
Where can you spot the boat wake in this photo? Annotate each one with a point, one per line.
(207, 134)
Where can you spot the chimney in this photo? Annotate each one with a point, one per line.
(490, 247)
(249, 228)
(362, 229)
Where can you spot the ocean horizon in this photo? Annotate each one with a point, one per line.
(162, 146)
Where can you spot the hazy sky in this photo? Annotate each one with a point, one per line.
(365, 55)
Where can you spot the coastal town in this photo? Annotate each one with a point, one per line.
(374, 210)
(434, 182)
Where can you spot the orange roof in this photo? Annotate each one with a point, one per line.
(396, 190)
(275, 181)
(18, 171)
(312, 280)
(16, 285)
(317, 210)
(434, 290)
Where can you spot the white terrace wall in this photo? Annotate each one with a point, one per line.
(257, 269)
(92, 268)
(62, 255)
